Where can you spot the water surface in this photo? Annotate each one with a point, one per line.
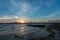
(8, 32)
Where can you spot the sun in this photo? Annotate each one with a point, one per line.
(20, 21)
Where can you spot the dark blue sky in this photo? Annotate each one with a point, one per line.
(30, 9)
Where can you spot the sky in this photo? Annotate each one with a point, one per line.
(30, 9)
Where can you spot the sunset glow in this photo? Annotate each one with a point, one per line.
(20, 21)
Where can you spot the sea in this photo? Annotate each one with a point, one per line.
(24, 32)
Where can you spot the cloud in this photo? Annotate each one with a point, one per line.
(9, 17)
(34, 9)
(5, 17)
(49, 3)
(14, 3)
(51, 15)
(14, 17)
(26, 9)
(54, 14)
(24, 6)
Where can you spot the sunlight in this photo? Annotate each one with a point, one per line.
(22, 29)
(20, 21)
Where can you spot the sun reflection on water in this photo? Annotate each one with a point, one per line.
(22, 29)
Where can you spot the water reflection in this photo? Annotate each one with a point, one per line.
(22, 29)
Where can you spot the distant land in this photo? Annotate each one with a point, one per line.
(41, 21)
